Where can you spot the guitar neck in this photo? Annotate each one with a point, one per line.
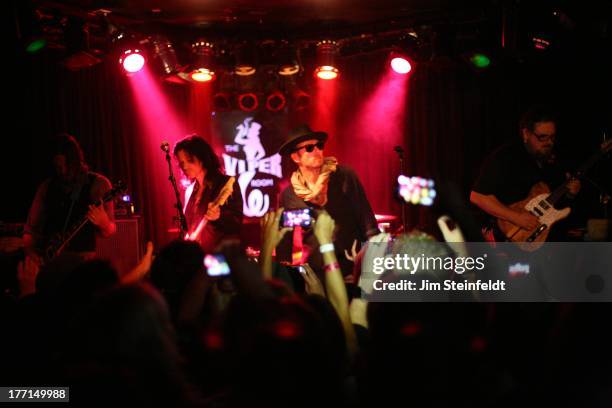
(560, 191)
(72, 233)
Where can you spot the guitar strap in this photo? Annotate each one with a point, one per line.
(74, 197)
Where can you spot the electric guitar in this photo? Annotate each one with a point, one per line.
(57, 244)
(221, 199)
(541, 203)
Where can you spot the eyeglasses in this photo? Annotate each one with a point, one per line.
(310, 147)
(543, 138)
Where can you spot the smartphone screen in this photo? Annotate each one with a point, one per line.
(519, 269)
(216, 265)
(416, 190)
(294, 218)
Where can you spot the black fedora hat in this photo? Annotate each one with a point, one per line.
(299, 134)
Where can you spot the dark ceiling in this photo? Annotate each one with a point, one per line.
(293, 18)
(358, 25)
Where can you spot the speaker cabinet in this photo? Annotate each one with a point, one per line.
(124, 248)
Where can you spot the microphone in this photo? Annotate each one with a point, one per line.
(165, 146)
(399, 150)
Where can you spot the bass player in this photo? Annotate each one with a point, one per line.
(510, 173)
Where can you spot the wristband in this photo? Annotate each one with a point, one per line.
(332, 266)
(326, 248)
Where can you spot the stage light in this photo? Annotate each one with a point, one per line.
(401, 65)
(301, 100)
(248, 102)
(480, 60)
(132, 60)
(289, 61)
(540, 43)
(129, 48)
(276, 101)
(246, 58)
(326, 72)
(36, 45)
(222, 102)
(327, 51)
(202, 75)
(79, 54)
(164, 52)
(201, 70)
(31, 25)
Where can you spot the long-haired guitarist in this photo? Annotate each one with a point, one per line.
(212, 207)
(510, 173)
(65, 198)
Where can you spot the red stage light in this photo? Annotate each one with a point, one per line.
(327, 72)
(132, 61)
(401, 65)
(202, 75)
(222, 102)
(275, 102)
(248, 102)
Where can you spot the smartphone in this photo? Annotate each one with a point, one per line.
(216, 265)
(416, 190)
(293, 218)
(519, 269)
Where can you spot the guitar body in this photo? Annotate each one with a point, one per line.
(540, 203)
(536, 204)
(224, 194)
(57, 244)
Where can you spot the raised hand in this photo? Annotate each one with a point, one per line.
(98, 216)
(271, 235)
(27, 271)
(213, 213)
(313, 284)
(353, 255)
(573, 185)
(324, 228)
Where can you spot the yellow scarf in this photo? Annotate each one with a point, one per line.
(315, 193)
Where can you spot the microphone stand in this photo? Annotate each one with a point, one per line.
(400, 153)
(179, 206)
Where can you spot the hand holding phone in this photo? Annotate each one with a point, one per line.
(294, 218)
(216, 265)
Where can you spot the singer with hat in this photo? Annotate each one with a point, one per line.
(321, 183)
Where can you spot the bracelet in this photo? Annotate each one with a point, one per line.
(332, 266)
(326, 248)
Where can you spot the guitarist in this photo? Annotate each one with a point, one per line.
(202, 168)
(64, 199)
(510, 172)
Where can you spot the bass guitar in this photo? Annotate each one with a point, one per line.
(541, 203)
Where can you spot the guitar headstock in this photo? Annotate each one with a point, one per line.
(118, 188)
